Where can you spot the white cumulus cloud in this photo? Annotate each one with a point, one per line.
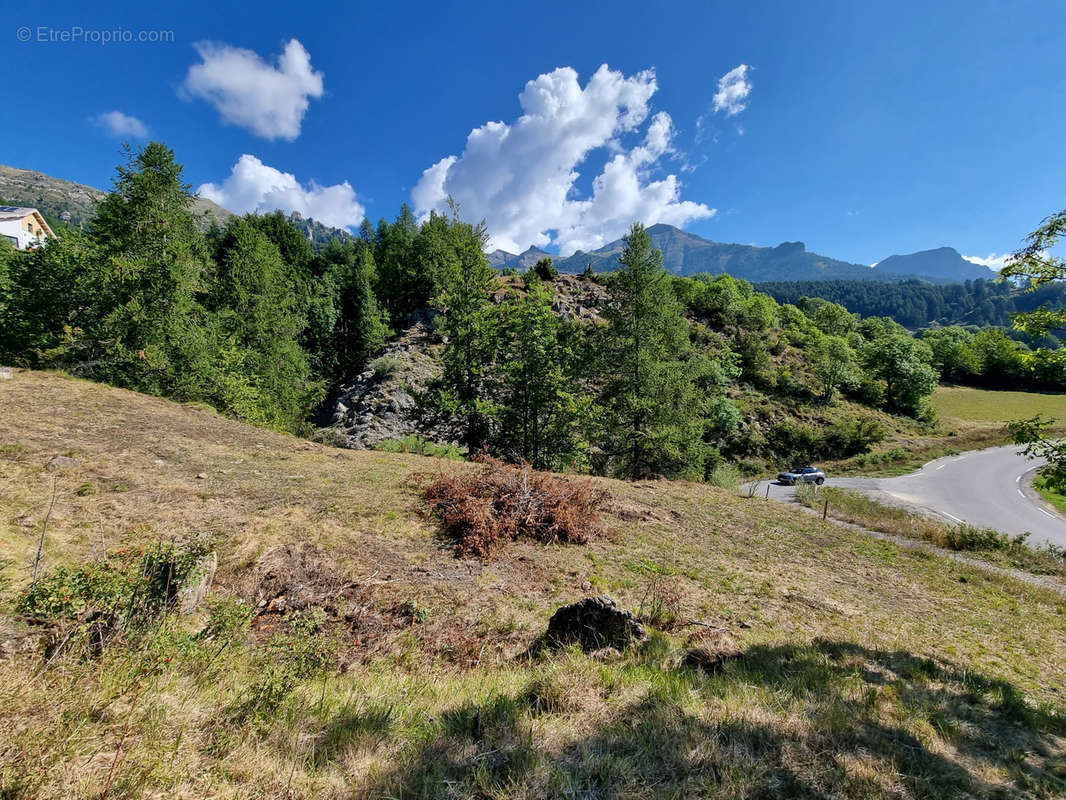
(520, 176)
(255, 186)
(268, 100)
(995, 261)
(118, 124)
(733, 90)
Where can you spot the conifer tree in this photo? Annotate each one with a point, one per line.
(465, 391)
(653, 408)
(155, 259)
(257, 322)
(540, 410)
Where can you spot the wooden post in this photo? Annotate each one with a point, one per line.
(825, 509)
(767, 490)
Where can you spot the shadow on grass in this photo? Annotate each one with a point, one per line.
(832, 719)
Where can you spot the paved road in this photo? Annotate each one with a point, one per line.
(988, 488)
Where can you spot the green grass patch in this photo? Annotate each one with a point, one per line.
(995, 405)
(1057, 499)
(423, 447)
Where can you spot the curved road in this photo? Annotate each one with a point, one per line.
(988, 488)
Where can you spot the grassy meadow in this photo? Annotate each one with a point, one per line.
(865, 669)
(988, 406)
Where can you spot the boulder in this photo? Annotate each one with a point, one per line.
(62, 462)
(594, 623)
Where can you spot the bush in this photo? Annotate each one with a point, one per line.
(545, 269)
(725, 476)
(384, 366)
(969, 537)
(852, 436)
(136, 585)
(497, 504)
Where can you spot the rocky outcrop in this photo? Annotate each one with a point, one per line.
(380, 402)
(594, 623)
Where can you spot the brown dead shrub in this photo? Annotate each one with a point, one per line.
(498, 503)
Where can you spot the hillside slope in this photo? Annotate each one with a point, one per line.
(867, 670)
(52, 196)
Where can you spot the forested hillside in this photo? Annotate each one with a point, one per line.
(648, 374)
(918, 304)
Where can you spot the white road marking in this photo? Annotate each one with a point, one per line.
(1021, 493)
(1045, 512)
(951, 516)
(1018, 479)
(942, 466)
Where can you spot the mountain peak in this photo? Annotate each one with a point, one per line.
(940, 262)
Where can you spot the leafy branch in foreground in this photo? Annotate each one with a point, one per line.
(1033, 433)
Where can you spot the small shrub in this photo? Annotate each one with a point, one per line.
(545, 269)
(384, 366)
(970, 537)
(84, 490)
(414, 612)
(228, 618)
(138, 585)
(661, 605)
(725, 476)
(498, 503)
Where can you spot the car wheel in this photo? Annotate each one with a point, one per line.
(819, 481)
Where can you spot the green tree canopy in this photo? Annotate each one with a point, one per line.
(654, 411)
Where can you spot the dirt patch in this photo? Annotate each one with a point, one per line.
(638, 512)
(300, 577)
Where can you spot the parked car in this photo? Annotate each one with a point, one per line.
(802, 475)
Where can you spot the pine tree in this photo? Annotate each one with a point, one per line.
(155, 259)
(541, 415)
(257, 322)
(465, 391)
(362, 325)
(652, 404)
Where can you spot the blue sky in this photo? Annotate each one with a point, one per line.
(863, 131)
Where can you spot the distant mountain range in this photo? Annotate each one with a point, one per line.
(688, 254)
(944, 263)
(683, 253)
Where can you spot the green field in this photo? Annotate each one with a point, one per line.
(987, 405)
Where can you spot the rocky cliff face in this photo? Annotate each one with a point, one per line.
(381, 402)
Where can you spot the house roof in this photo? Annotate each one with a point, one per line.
(19, 212)
(15, 212)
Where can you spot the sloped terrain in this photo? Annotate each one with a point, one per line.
(52, 196)
(864, 669)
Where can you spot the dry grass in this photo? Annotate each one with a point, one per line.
(870, 670)
(1000, 548)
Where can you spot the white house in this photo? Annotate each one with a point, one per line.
(23, 227)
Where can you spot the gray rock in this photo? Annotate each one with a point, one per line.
(62, 462)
